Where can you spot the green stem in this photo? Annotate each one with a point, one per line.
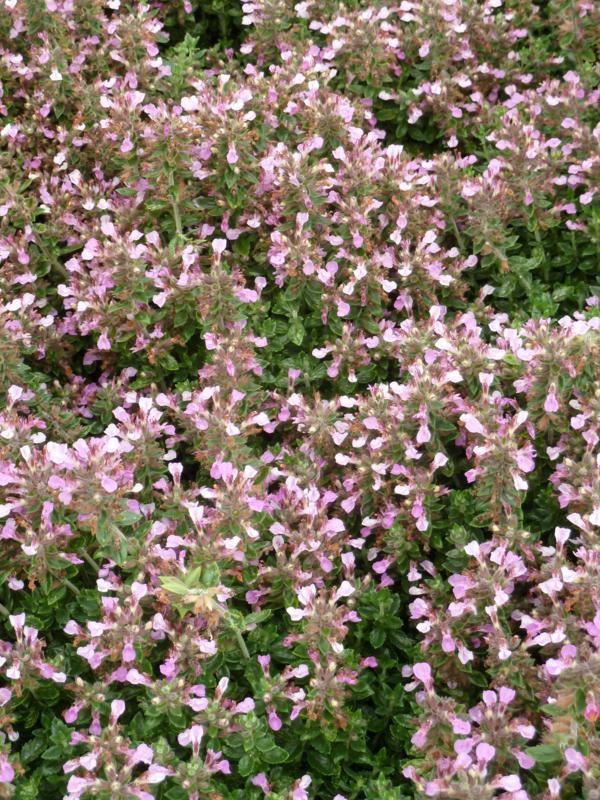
(224, 28)
(71, 586)
(175, 206)
(52, 259)
(241, 643)
(4, 610)
(87, 557)
(66, 582)
(458, 235)
(540, 244)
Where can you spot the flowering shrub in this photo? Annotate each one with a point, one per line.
(299, 400)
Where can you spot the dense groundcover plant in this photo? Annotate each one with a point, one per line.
(299, 400)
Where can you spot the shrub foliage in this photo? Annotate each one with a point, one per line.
(299, 400)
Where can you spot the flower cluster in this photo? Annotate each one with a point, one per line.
(299, 400)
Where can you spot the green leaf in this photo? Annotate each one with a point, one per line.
(48, 693)
(275, 755)
(169, 362)
(211, 575)
(174, 585)
(129, 518)
(192, 578)
(321, 744)
(245, 766)
(176, 793)
(296, 332)
(242, 246)
(257, 617)
(54, 753)
(377, 637)
(321, 763)
(32, 750)
(29, 788)
(104, 529)
(545, 753)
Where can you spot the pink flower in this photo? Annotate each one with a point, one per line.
(108, 484)
(141, 755)
(525, 761)
(117, 709)
(343, 309)
(126, 145)
(369, 662)
(422, 671)
(506, 695)
(551, 404)
(485, 753)
(104, 342)
(190, 104)
(299, 791)
(156, 774)
(71, 713)
(472, 424)
(192, 736)
(219, 246)
(344, 590)
(245, 706)
(7, 772)
(232, 156)
(576, 761)
(76, 786)
(510, 783)
(274, 722)
(261, 781)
